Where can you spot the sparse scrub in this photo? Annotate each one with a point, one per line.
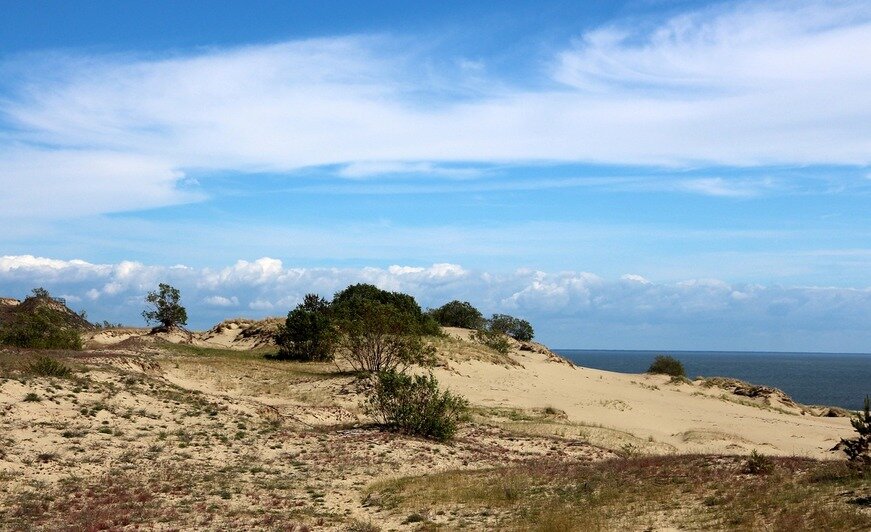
(858, 449)
(492, 339)
(667, 365)
(758, 464)
(32, 398)
(49, 367)
(44, 328)
(415, 405)
(630, 493)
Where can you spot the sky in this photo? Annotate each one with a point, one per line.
(625, 175)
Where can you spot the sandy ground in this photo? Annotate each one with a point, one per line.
(231, 440)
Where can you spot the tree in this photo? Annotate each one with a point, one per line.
(458, 314)
(40, 292)
(516, 328)
(379, 337)
(308, 333)
(350, 301)
(167, 310)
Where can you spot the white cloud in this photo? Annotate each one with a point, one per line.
(744, 84)
(567, 308)
(221, 301)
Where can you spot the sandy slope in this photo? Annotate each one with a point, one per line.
(146, 430)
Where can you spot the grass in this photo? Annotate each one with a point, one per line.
(683, 491)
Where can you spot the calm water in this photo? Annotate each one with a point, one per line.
(810, 378)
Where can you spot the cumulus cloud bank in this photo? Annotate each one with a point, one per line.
(745, 84)
(569, 309)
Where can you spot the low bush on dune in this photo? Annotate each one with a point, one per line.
(667, 365)
(492, 339)
(44, 328)
(858, 449)
(415, 405)
(49, 367)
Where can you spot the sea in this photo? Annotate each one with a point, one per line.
(832, 379)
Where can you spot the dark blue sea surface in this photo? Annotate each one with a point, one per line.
(809, 378)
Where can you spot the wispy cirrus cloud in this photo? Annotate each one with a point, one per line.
(736, 85)
(568, 308)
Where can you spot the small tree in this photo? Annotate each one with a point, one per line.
(380, 337)
(40, 292)
(308, 333)
(667, 365)
(858, 449)
(458, 314)
(167, 310)
(415, 405)
(516, 328)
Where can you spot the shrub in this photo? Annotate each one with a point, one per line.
(858, 449)
(167, 310)
(49, 367)
(514, 327)
(493, 340)
(758, 464)
(308, 333)
(380, 337)
(667, 365)
(44, 328)
(415, 405)
(458, 314)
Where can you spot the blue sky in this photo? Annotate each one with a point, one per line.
(648, 174)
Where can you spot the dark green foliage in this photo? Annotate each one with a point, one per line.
(381, 337)
(858, 449)
(667, 365)
(492, 339)
(758, 464)
(43, 328)
(415, 405)
(308, 333)
(49, 367)
(458, 314)
(40, 292)
(167, 310)
(516, 328)
(351, 301)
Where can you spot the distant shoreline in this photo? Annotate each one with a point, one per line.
(831, 379)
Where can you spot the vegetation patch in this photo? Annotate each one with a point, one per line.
(684, 491)
(667, 365)
(413, 404)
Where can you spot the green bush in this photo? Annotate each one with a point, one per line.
(492, 339)
(49, 367)
(415, 405)
(44, 328)
(758, 464)
(858, 449)
(458, 314)
(308, 333)
(516, 328)
(667, 365)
